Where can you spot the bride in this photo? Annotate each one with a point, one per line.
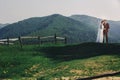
(100, 33)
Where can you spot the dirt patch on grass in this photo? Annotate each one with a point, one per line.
(108, 78)
(104, 72)
(93, 64)
(76, 71)
(76, 77)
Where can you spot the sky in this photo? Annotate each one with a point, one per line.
(15, 10)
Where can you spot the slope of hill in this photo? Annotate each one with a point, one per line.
(74, 30)
(94, 22)
(49, 62)
(3, 25)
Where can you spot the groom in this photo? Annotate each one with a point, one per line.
(105, 31)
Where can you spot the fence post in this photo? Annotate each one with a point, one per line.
(7, 40)
(65, 40)
(20, 41)
(39, 39)
(55, 39)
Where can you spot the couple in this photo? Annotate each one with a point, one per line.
(103, 32)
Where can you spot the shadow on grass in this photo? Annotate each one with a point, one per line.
(81, 51)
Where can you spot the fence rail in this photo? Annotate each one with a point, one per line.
(29, 37)
(39, 39)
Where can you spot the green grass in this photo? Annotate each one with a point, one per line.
(47, 62)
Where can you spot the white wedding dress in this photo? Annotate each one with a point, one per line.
(100, 34)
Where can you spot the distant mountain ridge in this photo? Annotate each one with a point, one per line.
(77, 28)
(86, 19)
(3, 25)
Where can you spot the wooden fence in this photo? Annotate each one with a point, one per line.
(39, 40)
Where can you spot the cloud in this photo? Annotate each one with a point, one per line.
(116, 3)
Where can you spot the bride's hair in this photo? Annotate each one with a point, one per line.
(102, 21)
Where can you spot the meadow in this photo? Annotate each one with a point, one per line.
(58, 61)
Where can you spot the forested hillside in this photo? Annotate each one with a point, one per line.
(75, 31)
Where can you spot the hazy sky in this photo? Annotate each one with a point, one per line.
(15, 10)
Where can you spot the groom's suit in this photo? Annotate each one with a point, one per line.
(105, 32)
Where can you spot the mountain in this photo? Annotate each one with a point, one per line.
(74, 30)
(3, 25)
(94, 22)
(77, 28)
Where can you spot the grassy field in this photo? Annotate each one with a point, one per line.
(49, 62)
